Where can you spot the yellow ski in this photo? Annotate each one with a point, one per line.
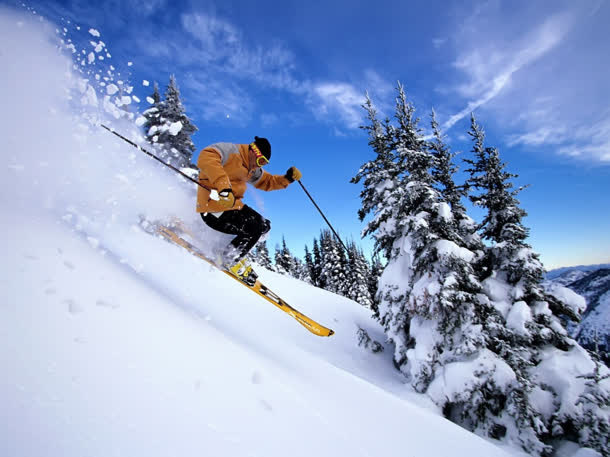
(259, 288)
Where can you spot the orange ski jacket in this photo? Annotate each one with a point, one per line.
(227, 166)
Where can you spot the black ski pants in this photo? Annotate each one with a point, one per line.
(246, 224)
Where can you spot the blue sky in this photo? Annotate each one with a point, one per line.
(535, 74)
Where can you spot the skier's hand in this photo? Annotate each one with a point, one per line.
(293, 174)
(226, 198)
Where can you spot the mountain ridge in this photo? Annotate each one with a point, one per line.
(556, 272)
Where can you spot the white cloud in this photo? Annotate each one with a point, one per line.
(547, 134)
(224, 63)
(221, 45)
(219, 65)
(591, 142)
(543, 79)
(340, 100)
(489, 71)
(217, 38)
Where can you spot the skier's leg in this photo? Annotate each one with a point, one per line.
(253, 226)
(246, 224)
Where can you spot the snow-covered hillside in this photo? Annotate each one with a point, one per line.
(568, 276)
(565, 274)
(594, 329)
(593, 283)
(114, 342)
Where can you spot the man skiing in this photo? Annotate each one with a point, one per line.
(224, 171)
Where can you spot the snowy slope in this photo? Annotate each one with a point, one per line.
(106, 360)
(566, 274)
(593, 284)
(114, 342)
(594, 329)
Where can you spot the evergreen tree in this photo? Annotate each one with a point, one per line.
(277, 257)
(471, 325)
(343, 273)
(435, 294)
(430, 302)
(381, 190)
(284, 260)
(444, 170)
(592, 421)
(318, 280)
(174, 134)
(152, 117)
(300, 271)
(260, 255)
(359, 272)
(527, 325)
(310, 267)
(334, 271)
(373, 283)
(156, 96)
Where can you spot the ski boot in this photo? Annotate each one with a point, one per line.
(243, 270)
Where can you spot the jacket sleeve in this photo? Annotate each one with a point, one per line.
(268, 182)
(210, 167)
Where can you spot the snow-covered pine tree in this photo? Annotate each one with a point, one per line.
(593, 399)
(527, 329)
(444, 170)
(343, 275)
(156, 95)
(318, 280)
(373, 283)
(284, 260)
(309, 267)
(260, 255)
(152, 116)
(334, 272)
(300, 271)
(358, 276)
(174, 135)
(428, 288)
(277, 258)
(381, 191)
(430, 302)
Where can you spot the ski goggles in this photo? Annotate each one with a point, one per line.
(260, 158)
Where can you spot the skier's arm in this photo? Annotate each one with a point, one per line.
(210, 167)
(267, 181)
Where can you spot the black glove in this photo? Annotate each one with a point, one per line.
(293, 174)
(227, 199)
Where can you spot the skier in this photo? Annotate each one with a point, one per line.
(224, 171)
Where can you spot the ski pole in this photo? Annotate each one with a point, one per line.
(155, 157)
(329, 224)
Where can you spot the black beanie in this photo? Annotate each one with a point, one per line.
(263, 146)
